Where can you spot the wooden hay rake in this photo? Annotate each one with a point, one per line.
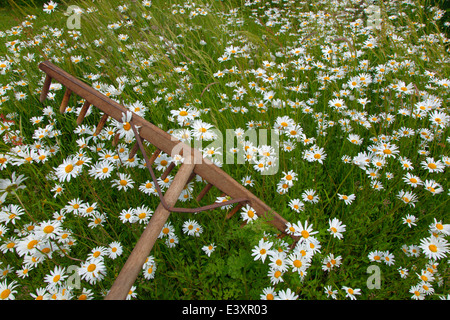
(193, 164)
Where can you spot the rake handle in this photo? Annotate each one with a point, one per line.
(141, 251)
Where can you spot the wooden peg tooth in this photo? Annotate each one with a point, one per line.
(204, 191)
(193, 174)
(116, 139)
(133, 151)
(233, 212)
(101, 124)
(45, 88)
(154, 156)
(168, 170)
(65, 101)
(83, 111)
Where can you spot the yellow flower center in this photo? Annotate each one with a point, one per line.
(31, 244)
(126, 126)
(432, 166)
(49, 229)
(5, 294)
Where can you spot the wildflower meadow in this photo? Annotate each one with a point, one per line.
(352, 95)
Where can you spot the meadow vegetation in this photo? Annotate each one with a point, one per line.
(359, 101)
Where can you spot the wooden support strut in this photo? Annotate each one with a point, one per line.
(45, 88)
(141, 251)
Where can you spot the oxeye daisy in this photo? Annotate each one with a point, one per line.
(336, 228)
(289, 177)
(209, 249)
(348, 199)
(148, 188)
(315, 153)
(434, 248)
(388, 258)
(375, 256)
(162, 161)
(93, 270)
(432, 186)
(298, 262)
(114, 250)
(172, 240)
(406, 163)
(355, 139)
(189, 227)
(296, 205)
(248, 214)
(305, 232)
(56, 277)
(167, 230)
(417, 292)
(101, 170)
(330, 262)
(278, 261)
(350, 293)
(74, 206)
(11, 213)
(96, 219)
(87, 209)
(67, 170)
(247, 181)
(50, 7)
(387, 150)
(275, 276)
(143, 214)
(127, 215)
(124, 182)
(439, 227)
(48, 229)
(330, 292)
(97, 253)
(7, 291)
(407, 197)
(432, 166)
(261, 250)
(268, 294)
(410, 220)
(27, 245)
(286, 295)
(412, 180)
(149, 268)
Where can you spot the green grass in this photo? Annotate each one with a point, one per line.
(7, 20)
(150, 58)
